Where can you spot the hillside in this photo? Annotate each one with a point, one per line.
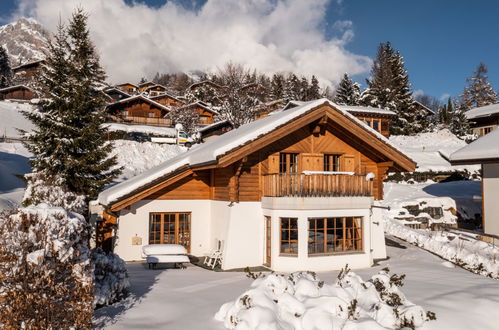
(25, 40)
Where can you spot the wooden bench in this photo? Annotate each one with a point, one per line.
(165, 253)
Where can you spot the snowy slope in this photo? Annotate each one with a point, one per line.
(427, 149)
(13, 161)
(12, 119)
(136, 157)
(24, 40)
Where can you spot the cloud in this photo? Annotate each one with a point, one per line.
(418, 92)
(270, 35)
(444, 97)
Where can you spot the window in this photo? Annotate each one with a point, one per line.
(170, 228)
(332, 163)
(376, 125)
(288, 163)
(150, 114)
(487, 130)
(332, 235)
(289, 236)
(124, 113)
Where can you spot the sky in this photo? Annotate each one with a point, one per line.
(442, 41)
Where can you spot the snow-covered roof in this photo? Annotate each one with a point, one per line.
(424, 107)
(204, 82)
(141, 97)
(208, 152)
(485, 148)
(6, 89)
(218, 123)
(200, 104)
(27, 64)
(352, 108)
(486, 111)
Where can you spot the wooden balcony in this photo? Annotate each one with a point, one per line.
(316, 185)
(150, 121)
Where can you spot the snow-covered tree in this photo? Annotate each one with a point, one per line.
(459, 124)
(277, 86)
(304, 89)
(348, 92)
(68, 141)
(314, 90)
(186, 117)
(292, 87)
(389, 88)
(479, 91)
(45, 270)
(5, 70)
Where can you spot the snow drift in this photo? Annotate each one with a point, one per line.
(302, 301)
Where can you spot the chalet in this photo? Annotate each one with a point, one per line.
(205, 113)
(27, 73)
(484, 151)
(168, 100)
(114, 94)
(18, 93)
(297, 190)
(128, 88)
(216, 129)
(376, 118)
(144, 86)
(483, 119)
(139, 110)
(421, 106)
(155, 90)
(264, 109)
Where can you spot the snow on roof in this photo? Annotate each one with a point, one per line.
(424, 106)
(352, 108)
(209, 151)
(486, 147)
(6, 89)
(142, 97)
(485, 111)
(157, 130)
(218, 123)
(202, 105)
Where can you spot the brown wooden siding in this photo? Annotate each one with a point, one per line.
(191, 187)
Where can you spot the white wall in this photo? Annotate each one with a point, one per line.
(490, 183)
(317, 263)
(135, 222)
(378, 244)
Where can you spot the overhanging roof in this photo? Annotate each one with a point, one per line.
(483, 150)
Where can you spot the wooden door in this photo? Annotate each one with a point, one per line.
(268, 240)
(170, 228)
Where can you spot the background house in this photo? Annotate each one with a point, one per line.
(485, 151)
(483, 119)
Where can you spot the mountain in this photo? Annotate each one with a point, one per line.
(25, 40)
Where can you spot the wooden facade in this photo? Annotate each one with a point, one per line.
(248, 173)
(168, 100)
(206, 115)
(128, 88)
(484, 125)
(155, 90)
(145, 86)
(377, 122)
(140, 110)
(27, 73)
(22, 93)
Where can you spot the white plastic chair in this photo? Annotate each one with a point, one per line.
(216, 257)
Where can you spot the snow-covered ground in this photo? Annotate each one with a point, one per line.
(155, 130)
(189, 298)
(14, 160)
(11, 119)
(466, 194)
(426, 149)
(137, 157)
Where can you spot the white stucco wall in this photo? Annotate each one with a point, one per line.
(378, 244)
(491, 198)
(135, 222)
(317, 263)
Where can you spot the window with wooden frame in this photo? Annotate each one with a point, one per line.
(376, 125)
(288, 162)
(332, 163)
(170, 228)
(289, 236)
(334, 235)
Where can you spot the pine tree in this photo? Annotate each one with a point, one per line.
(277, 89)
(314, 91)
(304, 89)
(389, 88)
(479, 91)
(458, 122)
(348, 92)
(68, 141)
(5, 70)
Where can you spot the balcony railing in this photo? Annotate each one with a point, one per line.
(316, 185)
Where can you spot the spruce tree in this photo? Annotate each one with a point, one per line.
(277, 86)
(304, 88)
(68, 141)
(348, 92)
(314, 91)
(389, 88)
(479, 91)
(5, 70)
(458, 122)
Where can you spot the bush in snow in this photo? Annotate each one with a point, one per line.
(302, 301)
(45, 269)
(111, 278)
